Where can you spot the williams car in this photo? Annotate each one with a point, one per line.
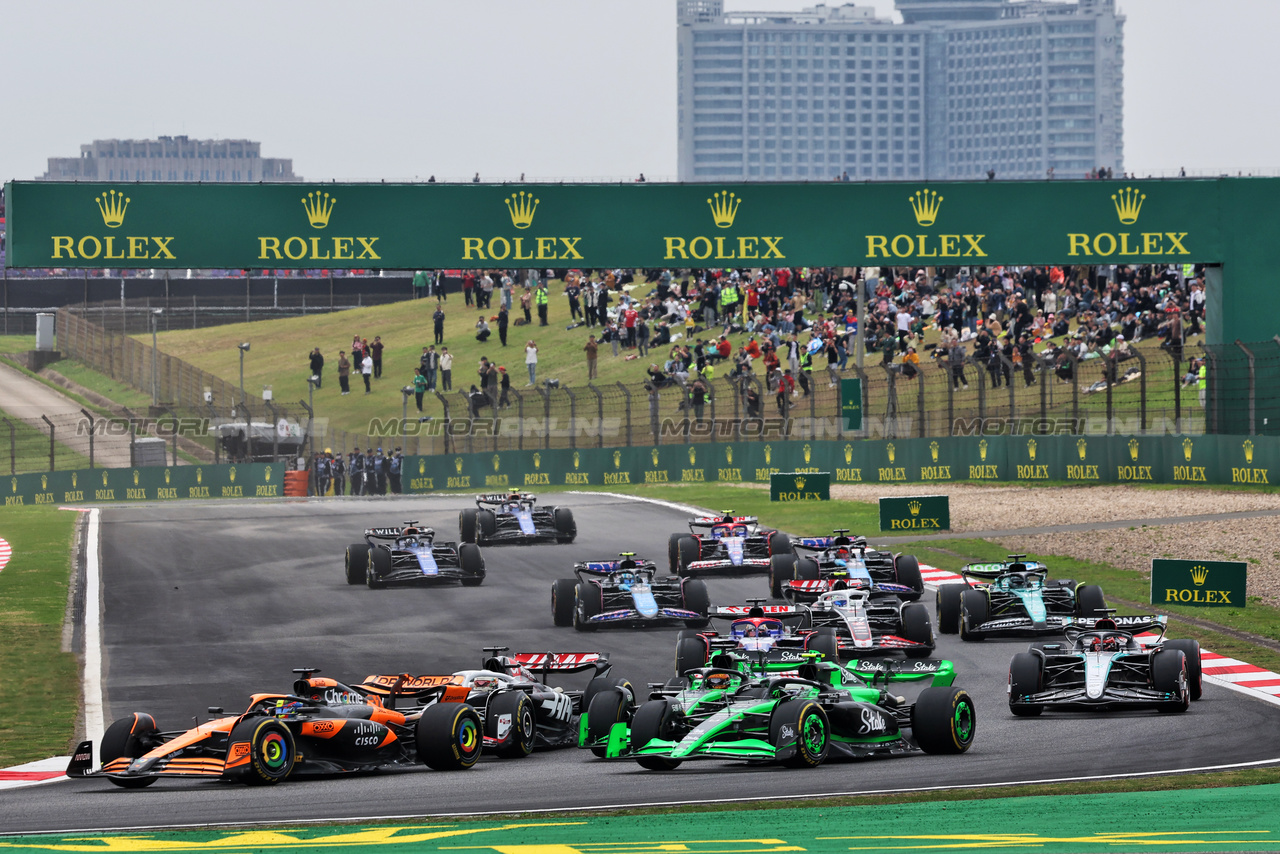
(515, 517)
(412, 554)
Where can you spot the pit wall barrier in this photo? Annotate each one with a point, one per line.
(1208, 460)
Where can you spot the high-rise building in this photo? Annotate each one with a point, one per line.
(958, 89)
(170, 158)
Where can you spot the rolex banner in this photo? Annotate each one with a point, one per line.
(851, 403)
(1198, 582)
(94, 486)
(800, 486)
(917, 514)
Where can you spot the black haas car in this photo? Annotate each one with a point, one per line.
(411, 554)
(515, 517)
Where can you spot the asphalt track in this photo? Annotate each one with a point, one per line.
(206, 603)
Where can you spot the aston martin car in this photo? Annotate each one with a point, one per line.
(1015, 598)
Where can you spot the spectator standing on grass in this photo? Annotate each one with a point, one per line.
(506, 292)
(504, 382)
(419, 387)
(366, 371)
(592, 349)
(526, 305)
(502, 325)
(468, 286)
(589, 298)
(317, 365)
(531, 360)
(572, 291)
(419, 284)
(375, 350)
(430, 363)
(396, 466)
(486, 291)
(446, 370)
(344, 372)
(438, 320)
(642, 336)
(540, 299)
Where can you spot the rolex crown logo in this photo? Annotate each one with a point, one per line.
(167, 475)
(808, 453)
(728, 454)
(135, 477)
(914, 507)
(724, 207)
(1031, 449)
(112, 208)
(617, 459)
(266, 475)
(890, 450)
(768, 454)
(1187, 445)
(1128, 204)
(104, 477)
(1133, 450)
(982, 450)
(232, 474)
(1081, 447)
(933, 451)
(422, 466)
(522, 207)
(1248, 451)
(653, 455)
(925, 204)
(13, 484)
(497, 462)
(800, 483)
(457, 464)
(575, 460)
(318, 207)
(199, 476)
(74, 478)
(693, 456)
(537, 461)
(1199, 574)
(44, 481)
(848, 454)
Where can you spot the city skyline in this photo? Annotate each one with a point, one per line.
(551, 91)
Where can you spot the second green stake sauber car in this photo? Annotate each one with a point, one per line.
(798, 719)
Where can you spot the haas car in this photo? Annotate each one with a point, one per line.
(323, 727)
(627, 592)
(412, 554)
(515, 517)
(760, 637)
(725, 545)
(1015, 598)
(797, 719)
(1103, 666)
(842, 556)
(868, 622)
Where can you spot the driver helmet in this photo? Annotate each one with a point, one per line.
(284, 709)
(719, 681)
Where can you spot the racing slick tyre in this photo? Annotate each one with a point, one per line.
(691, 653)
(949, 607)
(673, 551)
(802, 725)
(600, 684)
(806, 569)
(562, 593)
(588, 601)
(824, 640)
(357, 562)
(127, 737)
(379, 566)
(272, 752)
(511, 712)
(1089, 601)
(1191, 649)
(907, 568)
(687, 633)
(696, 598)
(690, 549)
(472, 563)
(779, 544)
(943, 720)
(781, 568)
(974, 611)
(566, 528)
(467, 524)
(449, 736)
(1169, 674)
(486, 524)
(653, 720)
(607, 708)
(1026, 676)
(917, 627)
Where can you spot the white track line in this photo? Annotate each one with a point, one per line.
(93, 711)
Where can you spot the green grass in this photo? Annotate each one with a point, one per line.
(117, 391)
(29, 451)
(41, 698)
(17, 343)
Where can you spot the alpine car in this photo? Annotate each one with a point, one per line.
(1102, 666)
(760, 638)
(869, 622)
(515, 517)
(730, 545)
(1014, 598)
(842, 556)
(627, 592)
(798, 720)
(323, 727)
(411, 554)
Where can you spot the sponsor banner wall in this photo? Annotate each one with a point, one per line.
(88, 486)
(1198, 582)
(800, 486)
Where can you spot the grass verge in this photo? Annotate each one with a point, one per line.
(41, 700)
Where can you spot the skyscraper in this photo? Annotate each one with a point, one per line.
(170, 158)
(958, 89)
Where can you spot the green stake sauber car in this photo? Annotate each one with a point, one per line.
(797, 719)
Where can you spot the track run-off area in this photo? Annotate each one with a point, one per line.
(202, 604)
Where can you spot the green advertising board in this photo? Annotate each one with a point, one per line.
(922, 513)
(851, 403)
(1205, 583)
(156, 483)
(800, 486)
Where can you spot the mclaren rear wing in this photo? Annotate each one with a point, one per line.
(448, 687)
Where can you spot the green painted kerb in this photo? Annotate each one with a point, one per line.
(1236, 819)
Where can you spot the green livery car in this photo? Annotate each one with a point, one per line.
(797, 718)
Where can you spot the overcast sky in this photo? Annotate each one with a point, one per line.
(549, 88)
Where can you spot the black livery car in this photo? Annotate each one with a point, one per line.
(515, 517)
(412, 555)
